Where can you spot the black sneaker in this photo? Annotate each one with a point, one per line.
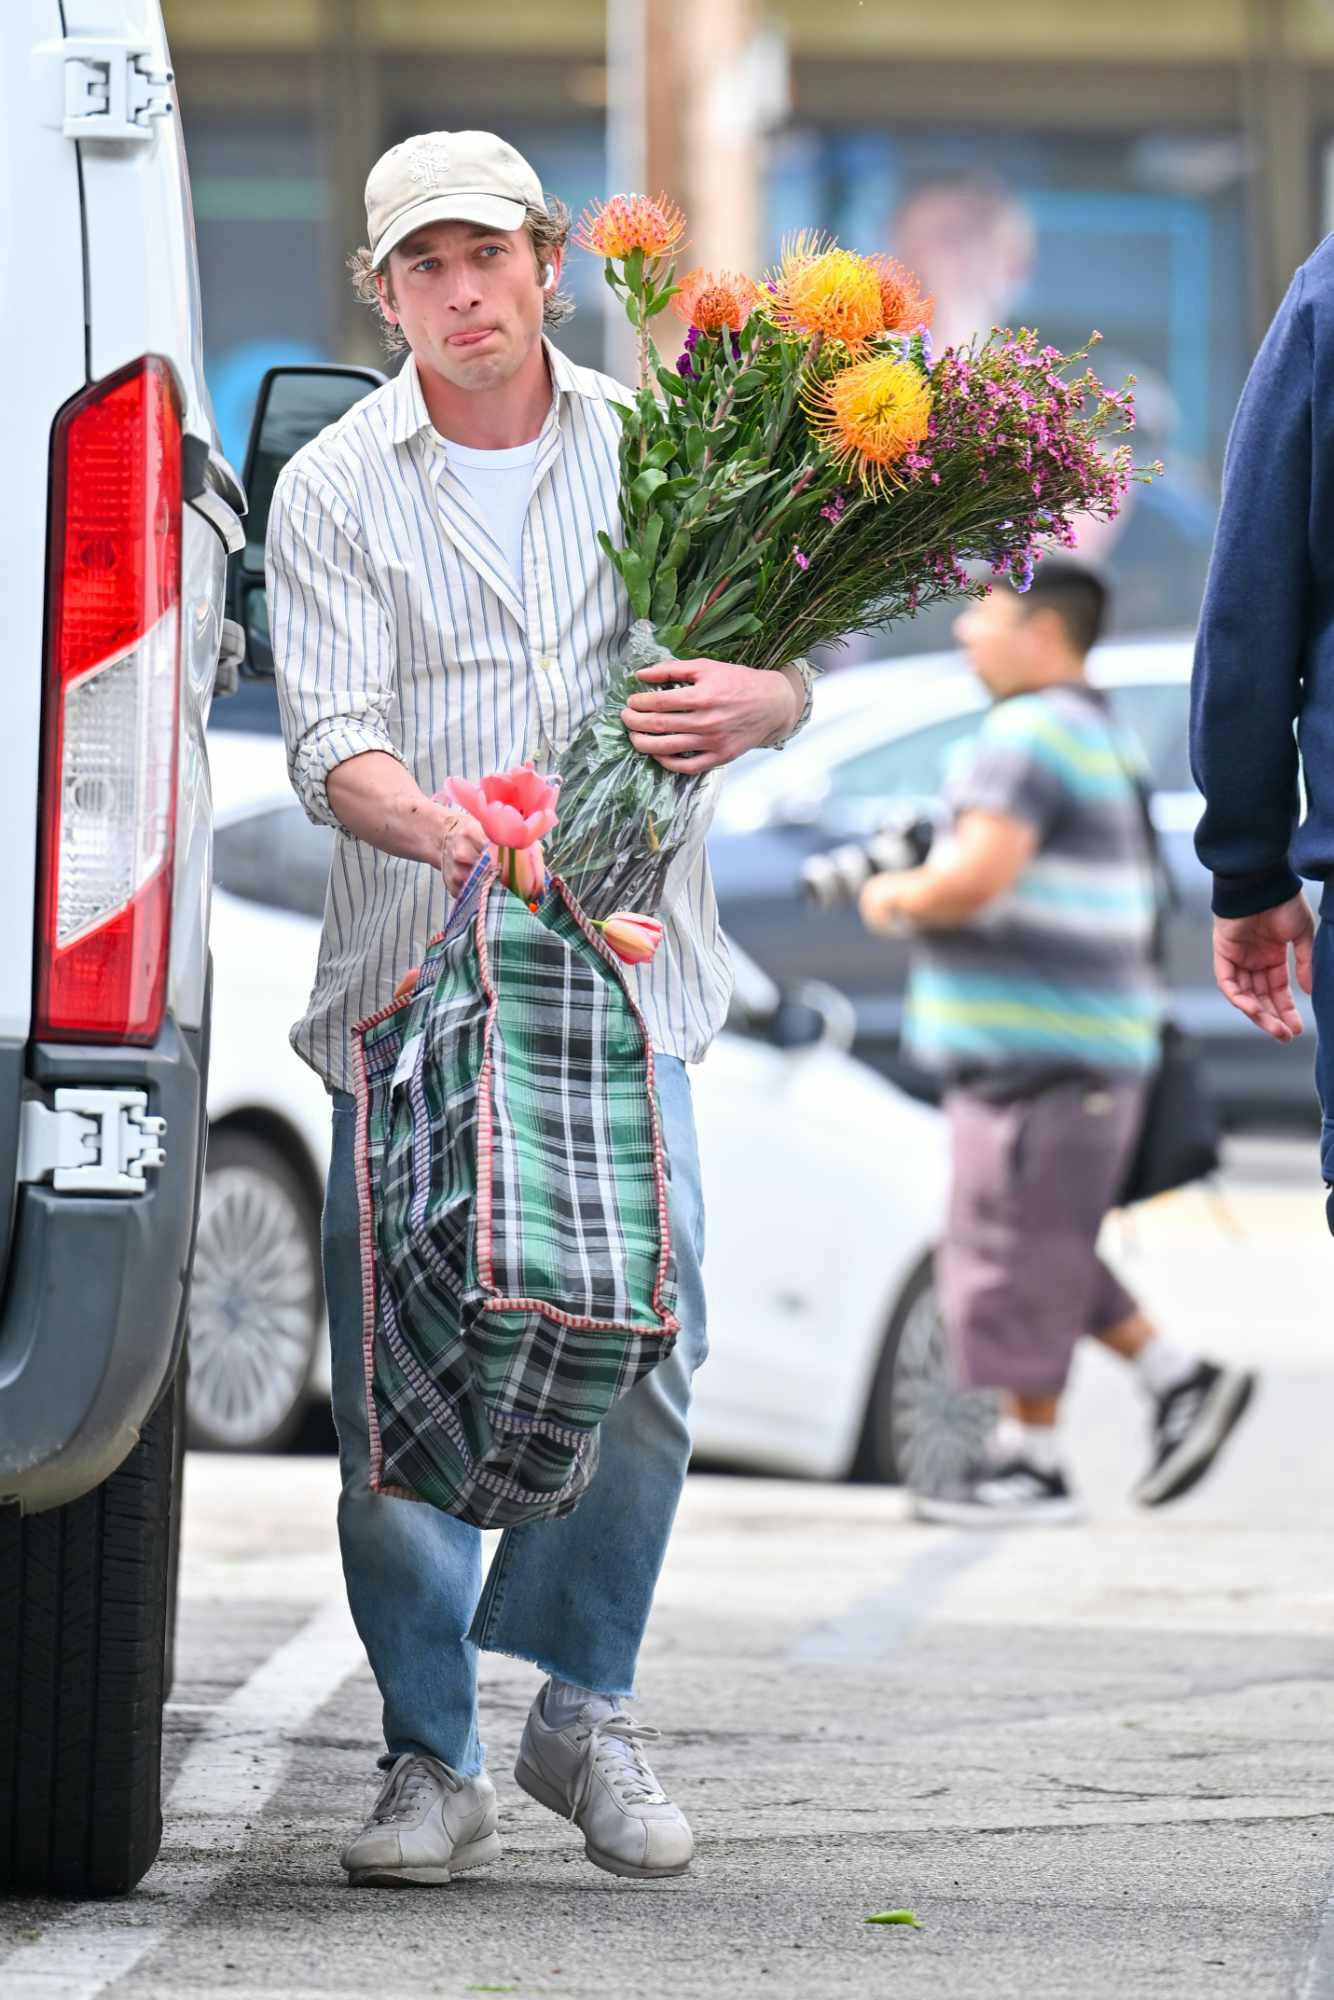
(1190, 1427)
(1012, 1495)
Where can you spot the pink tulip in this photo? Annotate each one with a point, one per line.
(513, 808)
(524, 870)
(632, 936)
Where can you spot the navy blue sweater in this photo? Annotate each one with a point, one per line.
(1265, 653)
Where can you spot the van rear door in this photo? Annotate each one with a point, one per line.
(143, 298)
(43, 363)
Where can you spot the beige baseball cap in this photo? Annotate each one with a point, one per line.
(447, 177)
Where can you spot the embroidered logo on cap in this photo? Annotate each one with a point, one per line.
(430, 162)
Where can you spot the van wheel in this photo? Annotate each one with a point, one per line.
(921, 1429)
(83, 1614)
(256, 1299)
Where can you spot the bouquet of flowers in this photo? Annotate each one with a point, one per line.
(807, 470)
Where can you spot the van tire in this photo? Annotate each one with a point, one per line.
(83, 1628)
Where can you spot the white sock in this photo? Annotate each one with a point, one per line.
(1161, 1365)
(1038, 1445)
(1041, 1446)
(562, 1701)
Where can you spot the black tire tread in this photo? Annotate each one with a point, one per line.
(83, 1610)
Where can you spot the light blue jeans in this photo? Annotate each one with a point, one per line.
(574, 1595)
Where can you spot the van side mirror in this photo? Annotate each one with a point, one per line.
(293, 406)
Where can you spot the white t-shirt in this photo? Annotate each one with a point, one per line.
(500, 484)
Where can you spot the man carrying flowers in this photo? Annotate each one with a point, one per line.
(442, 609)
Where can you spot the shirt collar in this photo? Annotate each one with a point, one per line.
(408, 413)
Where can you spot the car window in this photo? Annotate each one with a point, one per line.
(910, 766)
(1157, 714)
(916, 765)
(276, 856)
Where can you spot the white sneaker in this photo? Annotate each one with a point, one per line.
(593, 1772)
(428, 1824)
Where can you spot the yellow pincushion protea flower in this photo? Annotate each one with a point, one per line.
(715, 301)
(631, 222)
(870, 416)
(819, 288)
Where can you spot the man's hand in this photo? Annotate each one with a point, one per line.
(462, 846)
(717, 713)
(1251, 964)
(881, 906)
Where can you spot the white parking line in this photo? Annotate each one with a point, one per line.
(875, 1627)
(1319, 1981)
(230, 1772)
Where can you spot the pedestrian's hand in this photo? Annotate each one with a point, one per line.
(881, 909)
(1251, 964)
(461, 848)
(716, 713)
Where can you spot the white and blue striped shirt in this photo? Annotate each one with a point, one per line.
(398, 626)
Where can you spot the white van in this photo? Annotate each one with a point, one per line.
(119, 519)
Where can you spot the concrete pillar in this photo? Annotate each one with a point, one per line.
(1284, 224)
(351, 138)
(693, 86)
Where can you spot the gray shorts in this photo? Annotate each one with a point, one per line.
(1018, 1270)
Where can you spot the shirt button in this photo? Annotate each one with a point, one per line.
(546, 661)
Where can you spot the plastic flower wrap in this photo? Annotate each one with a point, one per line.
(806, 470)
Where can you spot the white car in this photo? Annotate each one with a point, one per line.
(825, 1187)
(877, 752)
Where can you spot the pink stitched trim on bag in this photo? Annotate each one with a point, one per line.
(367, 1235)
(667, 1322)
(485, 1136)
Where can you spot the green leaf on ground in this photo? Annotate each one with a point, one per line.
(897, 1917)
(490, 1989)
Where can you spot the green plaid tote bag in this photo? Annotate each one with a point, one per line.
(516, 1255)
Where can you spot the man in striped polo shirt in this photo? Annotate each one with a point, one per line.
(1034, 994)
(440, 606)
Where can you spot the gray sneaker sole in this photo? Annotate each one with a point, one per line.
(536, 1786)
(476, 1854)
(972, 1514)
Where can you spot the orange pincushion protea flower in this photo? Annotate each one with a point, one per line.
(715, 301)
(870, 416)
(903, 307)
(819, 288)
(631, 222)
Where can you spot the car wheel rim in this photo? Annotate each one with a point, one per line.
(936, 1427)
(252, 1307)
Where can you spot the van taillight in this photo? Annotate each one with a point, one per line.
(108, 814)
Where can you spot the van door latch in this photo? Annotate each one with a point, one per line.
(113, 90)
(92, 1142)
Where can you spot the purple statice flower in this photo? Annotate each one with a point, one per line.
(1021, 571)
(802, 561)
(835, 507)
(685, 367)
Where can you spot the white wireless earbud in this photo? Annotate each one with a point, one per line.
(548, 277)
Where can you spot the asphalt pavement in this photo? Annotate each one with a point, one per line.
(1094, 1762)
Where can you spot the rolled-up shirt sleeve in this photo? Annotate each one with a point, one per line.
(332, 637)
